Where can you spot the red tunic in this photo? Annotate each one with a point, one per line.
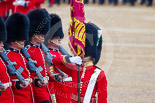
(40, 93)
(4, 78)
(3, 8)
(100, 86)
(24, 95)
(24, 10)
(62, 91)
(52, 2)
(38, 3)
(10, 5)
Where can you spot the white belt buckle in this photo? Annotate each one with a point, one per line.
(47, 78)
(67, 79)
(29, 79)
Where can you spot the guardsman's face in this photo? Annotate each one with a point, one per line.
(1, 46)
(19, 44)
(55, 42)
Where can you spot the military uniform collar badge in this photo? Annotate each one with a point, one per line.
(15, 50)
(89, 63)
(57, 50)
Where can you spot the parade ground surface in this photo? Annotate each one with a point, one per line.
(128, 54)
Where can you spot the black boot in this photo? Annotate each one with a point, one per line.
(149, 2)
(101, 2)
(85, 1)
(143, 2)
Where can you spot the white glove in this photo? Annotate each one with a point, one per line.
(21, 3)
(76, 60)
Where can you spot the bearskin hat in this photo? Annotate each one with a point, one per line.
(55, 28)
(3, 34)
(93, 42)
(17, 26)
(39, 21)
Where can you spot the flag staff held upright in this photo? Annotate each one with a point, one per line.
(77, 34)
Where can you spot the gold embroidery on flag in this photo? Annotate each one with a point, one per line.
(79, 1)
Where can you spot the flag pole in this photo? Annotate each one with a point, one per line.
(78, 66)
(78, 83)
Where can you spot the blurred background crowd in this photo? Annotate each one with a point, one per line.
(110, 2)
(23, 6)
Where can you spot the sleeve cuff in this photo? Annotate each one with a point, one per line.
(66, 59)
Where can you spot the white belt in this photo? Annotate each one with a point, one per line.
(8, 84)
(91, 85)
(47, 78)
(67, 79)
(28, 79)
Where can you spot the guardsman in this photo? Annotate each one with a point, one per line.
(115, 2)
(51, 2)
(23, 6)
(143, 2)
(53, 41)
(5, 88)
(10, 6)
(57, 2)
(132, 2)
(93, 79)
(39, 26)
(17, 32)
(86, 1)
(101, 2)
(147, 2)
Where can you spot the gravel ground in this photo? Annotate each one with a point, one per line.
(128, 54)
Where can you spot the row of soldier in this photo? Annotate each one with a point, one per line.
(36, 71)
(101, 2)
(22, 6)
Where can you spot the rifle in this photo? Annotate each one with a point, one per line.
(1, 86)
(49, 58)
(11, 69)
(31, 64)
(64, 52)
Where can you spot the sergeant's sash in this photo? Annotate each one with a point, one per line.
(91, 85)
